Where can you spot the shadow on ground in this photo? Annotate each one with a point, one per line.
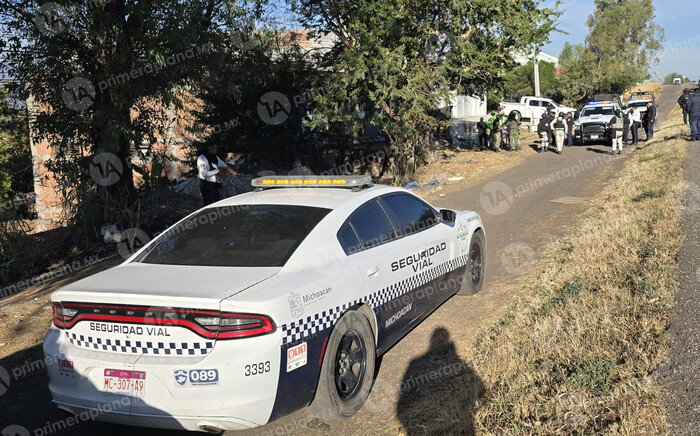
(439, 391)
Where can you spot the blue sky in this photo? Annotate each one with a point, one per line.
(679, 18)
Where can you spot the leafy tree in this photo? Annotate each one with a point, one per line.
(521, 81)
(101, 73)
(15, 155)
(668, 80)
(396, 61)
(620, 48)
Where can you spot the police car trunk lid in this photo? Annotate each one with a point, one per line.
(150, 309)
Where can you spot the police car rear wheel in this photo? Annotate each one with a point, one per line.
(474, 276)
(348, 369)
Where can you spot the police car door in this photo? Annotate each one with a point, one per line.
(369, 238)
(431, 265)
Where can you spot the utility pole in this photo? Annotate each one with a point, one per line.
(536, 64)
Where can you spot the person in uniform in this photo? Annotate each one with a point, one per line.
(209, 168)
(560, 132)
(513, 133)
(496, 134)
(682, 102)
(651, 120)
(626, 122)
(489, 125)
(482, 128)
(636, 121)
(570, 129)
(552, 115)
(542, 129)
(617, 126)
(693, 108)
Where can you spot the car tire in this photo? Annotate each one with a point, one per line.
(476, 266)
(350, 356)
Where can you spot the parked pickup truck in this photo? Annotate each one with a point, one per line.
(532, 108)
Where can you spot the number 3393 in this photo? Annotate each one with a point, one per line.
(257, 368)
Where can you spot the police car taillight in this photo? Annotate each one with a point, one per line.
(62, 315)
(236, 325)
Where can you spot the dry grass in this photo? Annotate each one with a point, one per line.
(575, 354)
(472, 166)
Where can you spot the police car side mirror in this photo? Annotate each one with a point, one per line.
(447, 216)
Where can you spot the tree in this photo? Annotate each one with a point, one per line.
(15, 155)
(396, 61)
(621, 46)
(521, 81)
(101, 73)
(668, 80)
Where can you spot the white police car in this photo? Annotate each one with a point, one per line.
(259, 305)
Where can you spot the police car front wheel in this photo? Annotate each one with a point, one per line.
(348, 368)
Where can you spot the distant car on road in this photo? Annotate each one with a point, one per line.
(532, 108)
(259, 305)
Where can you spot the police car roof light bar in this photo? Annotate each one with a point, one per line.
(311, 182)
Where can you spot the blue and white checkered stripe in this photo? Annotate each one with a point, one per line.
(141, 347)
(312, 324)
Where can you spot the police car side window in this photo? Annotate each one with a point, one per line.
(534, 103)
(371, 225)
(409, 214)
(348, 239)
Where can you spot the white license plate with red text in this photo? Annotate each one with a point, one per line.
(124, 382)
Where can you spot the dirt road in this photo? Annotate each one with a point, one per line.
(523, 209)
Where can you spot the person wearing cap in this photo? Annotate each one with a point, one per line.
(489, 124)
(570, 129)
(209, 168)
(636, 121)
(559, 131)
(496, 134)
(616, 127)
(693, 108)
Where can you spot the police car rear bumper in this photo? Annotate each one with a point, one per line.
(210, 424)
(237, 400)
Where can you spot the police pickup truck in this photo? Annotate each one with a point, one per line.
(640, 99)
(593, 125)
(259, 305)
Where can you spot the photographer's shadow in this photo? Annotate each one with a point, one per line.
(439, 391)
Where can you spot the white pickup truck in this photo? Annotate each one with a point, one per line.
(532, 108)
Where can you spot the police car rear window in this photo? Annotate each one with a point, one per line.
(236, 236)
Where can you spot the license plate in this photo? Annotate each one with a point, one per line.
(595, 137)
(124, 382)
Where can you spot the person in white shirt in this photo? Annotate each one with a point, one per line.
(636, 120)
(209, 167)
